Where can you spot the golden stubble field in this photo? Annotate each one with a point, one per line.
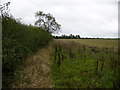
(100, 43)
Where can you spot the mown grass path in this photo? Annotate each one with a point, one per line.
(36, 71)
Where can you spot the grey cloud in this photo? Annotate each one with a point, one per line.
(94, 18)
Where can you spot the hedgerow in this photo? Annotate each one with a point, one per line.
(19, 41)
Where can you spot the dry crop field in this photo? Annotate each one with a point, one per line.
(101, 43)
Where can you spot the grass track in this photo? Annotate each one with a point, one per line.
(36, 71)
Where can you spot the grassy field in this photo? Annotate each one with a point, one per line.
(85, 63)
(70, 64)
(101, 43)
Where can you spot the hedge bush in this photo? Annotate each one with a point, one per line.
(19, 41)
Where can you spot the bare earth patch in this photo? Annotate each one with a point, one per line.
(36, 73)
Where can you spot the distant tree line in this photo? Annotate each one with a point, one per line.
(71, 36)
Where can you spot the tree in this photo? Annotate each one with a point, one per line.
(47, 21)
(5, 10)
(77, 36)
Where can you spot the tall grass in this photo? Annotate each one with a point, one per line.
(84, 66)
(19, 41)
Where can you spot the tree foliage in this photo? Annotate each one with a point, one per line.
(47, 21)
(4, 9)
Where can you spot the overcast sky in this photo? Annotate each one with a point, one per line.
(88, 18)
